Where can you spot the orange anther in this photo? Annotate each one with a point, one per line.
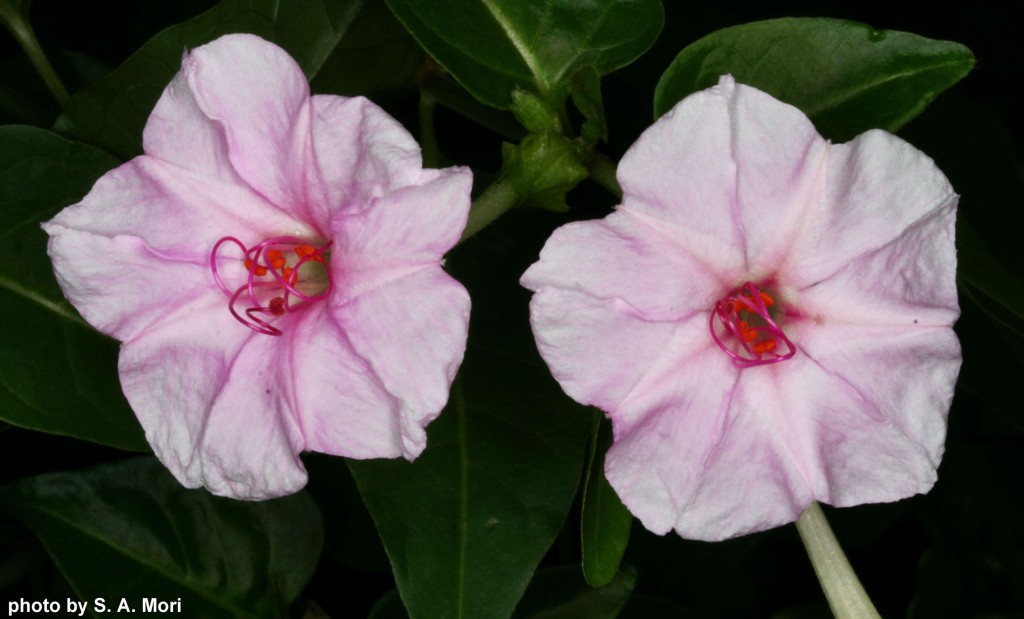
(260, 271)
(765, 346)
(767, 298)
(275, 258)
(287, 272)
(305, 250)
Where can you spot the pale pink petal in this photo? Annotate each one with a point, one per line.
(882, 438)
(344, 409)
(259, 98)
(909, 281)
(138, 245)
(215, 402)
(718, 167)
(854, 241)
(592, 369)
(230, 155)
(179, 133)
(878, 187)
(411, 226)
(361, 154)
(701, 461)
(412, 333)
(626, 256)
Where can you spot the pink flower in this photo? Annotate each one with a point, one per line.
(766, 318)
(272, 265)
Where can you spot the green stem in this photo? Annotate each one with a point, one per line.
(22, 31)
(602, 172)
(492, 203)
(845, 594)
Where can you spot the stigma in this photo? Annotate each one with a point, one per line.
(284, 275)
(742, 326)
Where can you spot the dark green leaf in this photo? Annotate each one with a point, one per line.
(112, 112)
(586, 96)
(495, 46)
(56, 373)
(468, 522)
(605, 523)
(377, 54)
(846, 76)
(155, 539)
(561, 593)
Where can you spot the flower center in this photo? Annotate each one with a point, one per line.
(285, 275)
(742, 326)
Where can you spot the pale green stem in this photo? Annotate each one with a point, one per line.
(845, 594)
(26, 38)
(492, 204)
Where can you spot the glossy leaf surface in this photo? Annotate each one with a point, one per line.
(846, 76)
(156, 539)
(495, 46)
(112, 112)
(466, 524)
(57, 374)
(605, 523)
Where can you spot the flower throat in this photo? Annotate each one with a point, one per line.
(742, 326)
(284, 275)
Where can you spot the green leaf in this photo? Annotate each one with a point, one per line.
(493, 47)
(154, 538)
(586, 96)
(112, 113)
(560, 593)
(845, 76)
(466, 524)
(56, 373)
(376, 55)
(605, 523)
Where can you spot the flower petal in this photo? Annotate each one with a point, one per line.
(343, 408)
(412, 333)
(410, 226)
(878, 187)
(603, 258)
(258, 98)
(701, 461)
(909, 281)
(584, 341)
(215, 402)
(882, 439)
(362, 154)
(138, 245)
(720, 165)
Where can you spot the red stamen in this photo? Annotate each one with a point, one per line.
(286, 278)
(749, 345)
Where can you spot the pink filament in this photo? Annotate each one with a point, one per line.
(277, 305)
(727, 314)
